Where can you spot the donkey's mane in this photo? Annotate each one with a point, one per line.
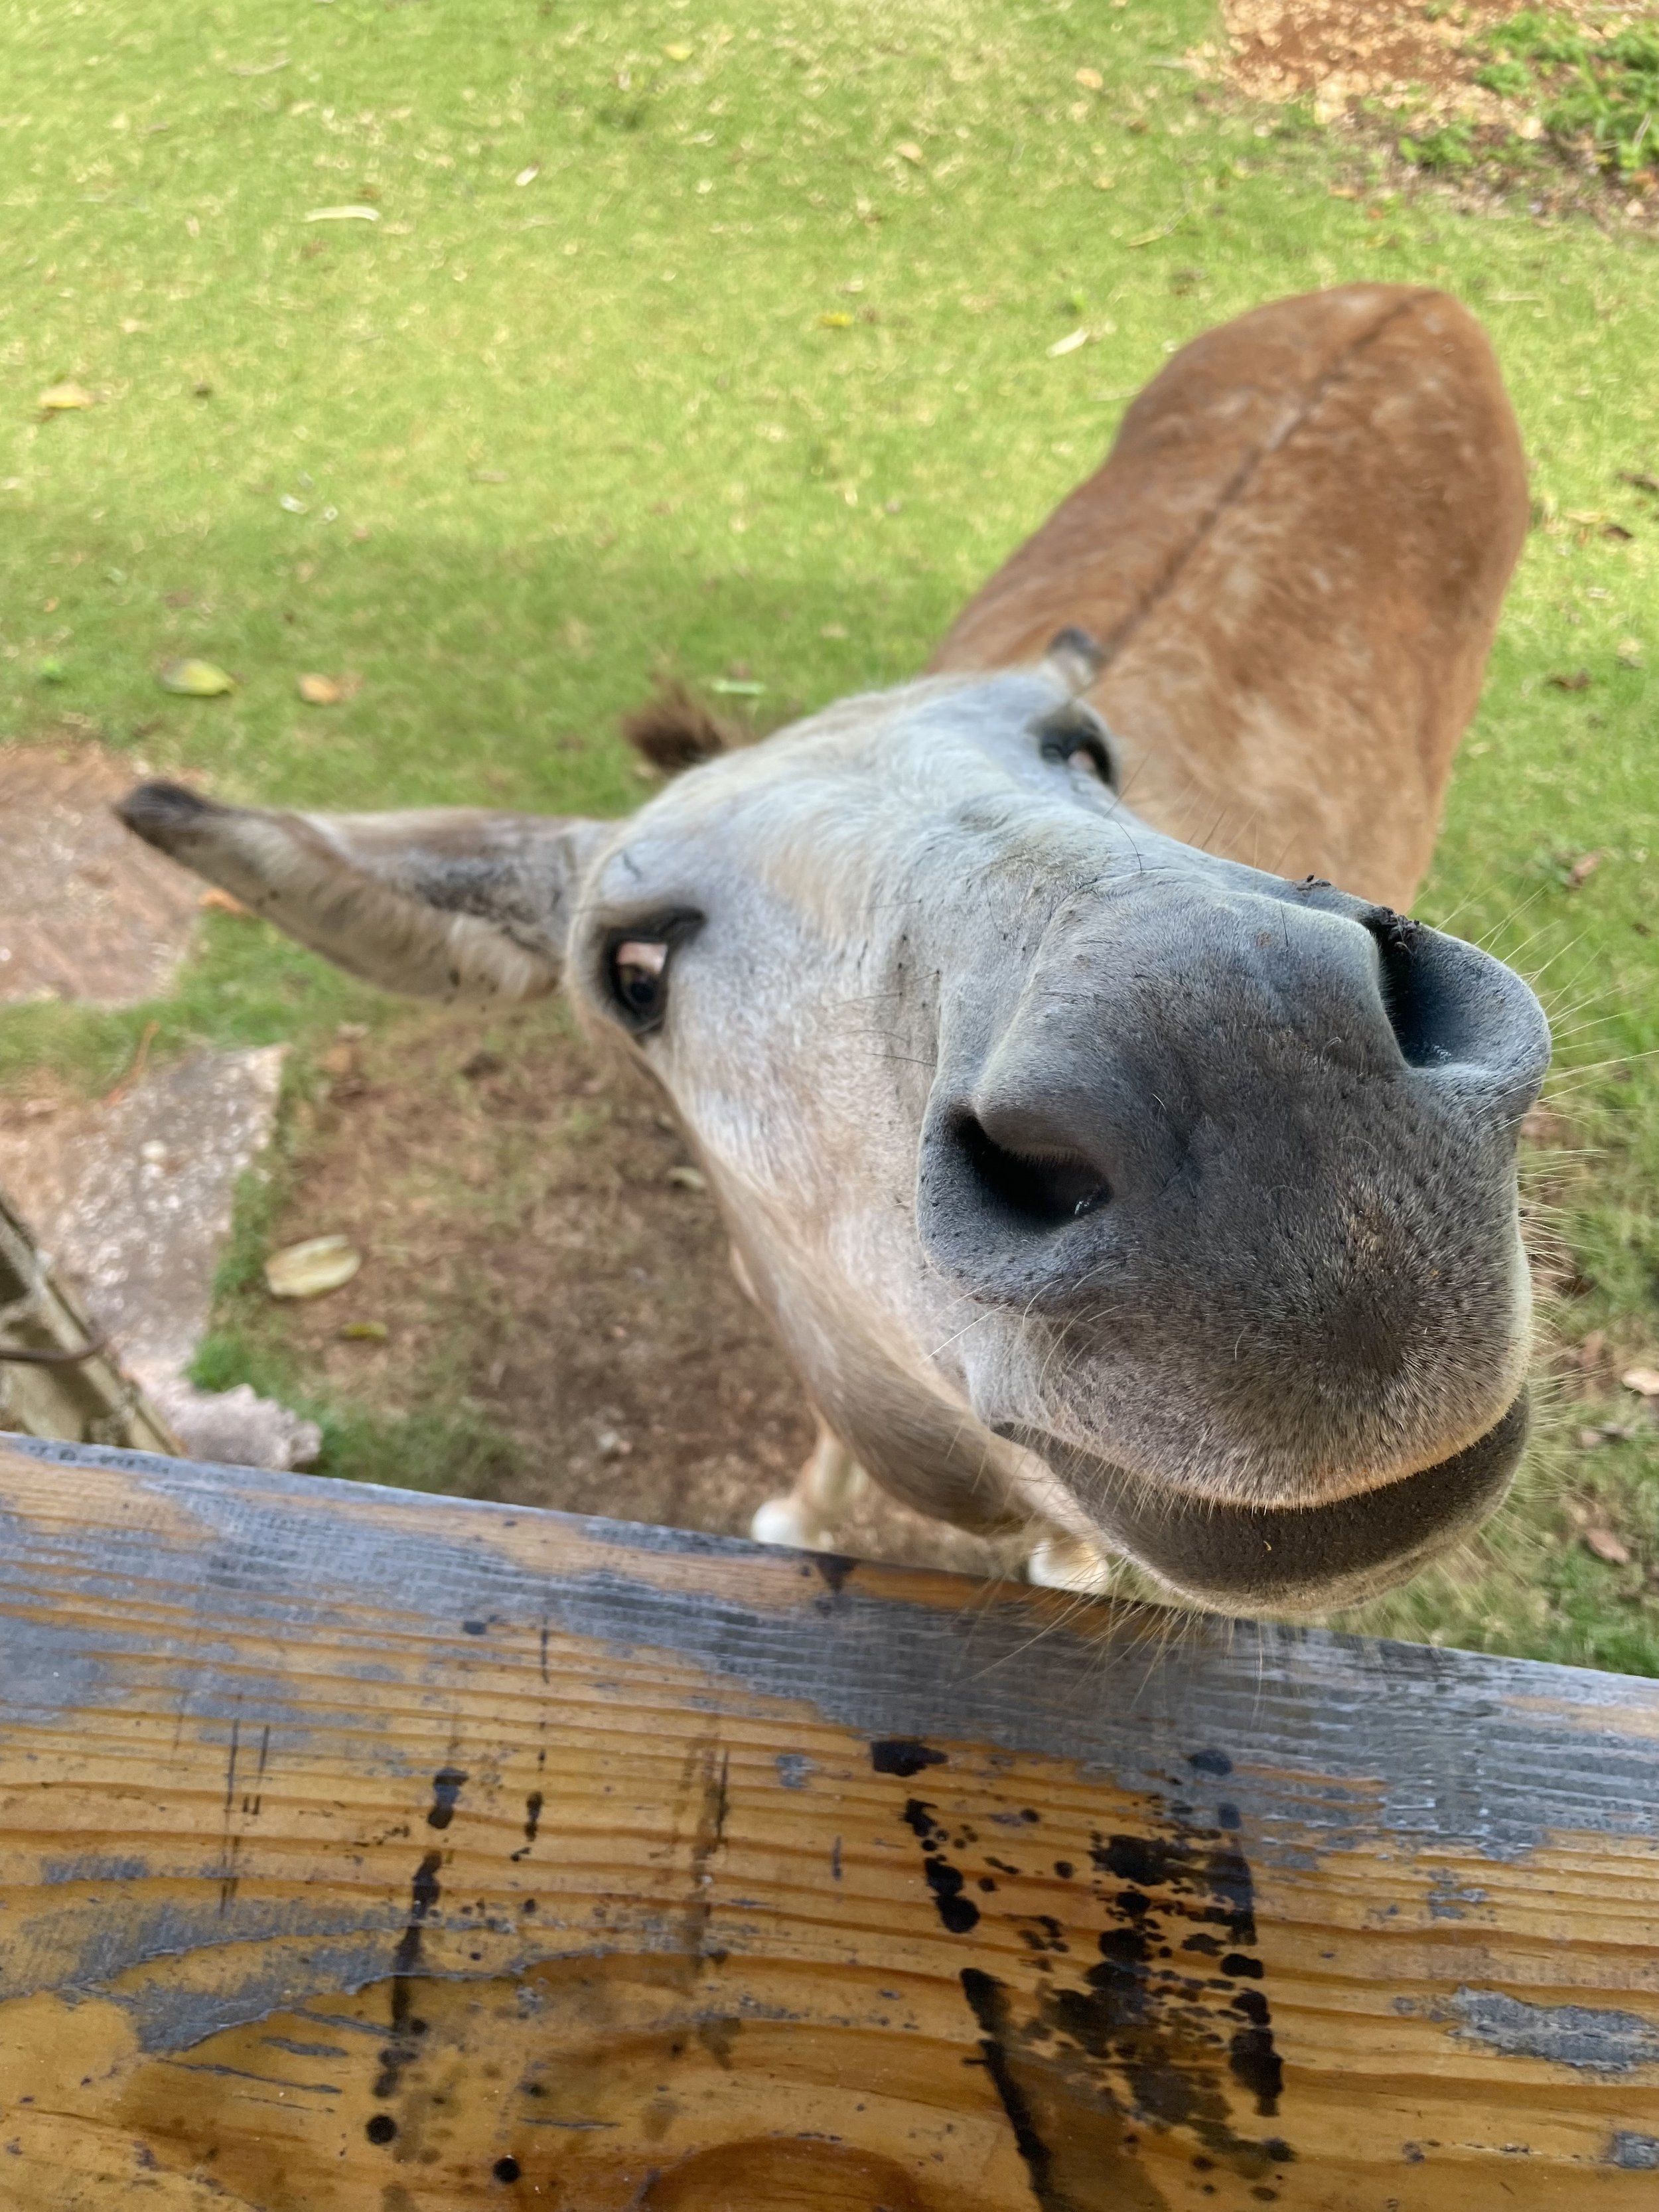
(675, 730)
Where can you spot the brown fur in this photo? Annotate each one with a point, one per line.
(1293, 559)
(674, 730)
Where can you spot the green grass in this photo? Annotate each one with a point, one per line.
(754, 371)
(1597, 96)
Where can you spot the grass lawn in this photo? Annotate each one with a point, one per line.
(711, 338)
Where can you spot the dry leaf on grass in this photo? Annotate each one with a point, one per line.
(908, 150)
(344, 214)
(1070, 344)
(216, 900)
(195, 679)
(65, 399)
(311, 1269)
(1606, 1546)
(1583, 869)
(326, 691)
(364, 1332)
(688, 1178)
(1645, 1381)
(1579, 681)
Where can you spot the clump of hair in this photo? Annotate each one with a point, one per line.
(674, 730)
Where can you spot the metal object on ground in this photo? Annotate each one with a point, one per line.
(58, 1378)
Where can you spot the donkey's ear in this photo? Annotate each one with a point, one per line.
(453, 902)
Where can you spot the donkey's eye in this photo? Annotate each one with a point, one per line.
(639, 980)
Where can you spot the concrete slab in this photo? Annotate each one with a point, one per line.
(86, 911)
(130, 1199)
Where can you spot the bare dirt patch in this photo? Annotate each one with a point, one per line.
(1337, 53)
(537, 1260)
(86, 911)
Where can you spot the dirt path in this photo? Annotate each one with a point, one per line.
(536, 1253)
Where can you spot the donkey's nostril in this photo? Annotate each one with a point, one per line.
(1044, 1187)
(1454, 1009)
(1409, 992)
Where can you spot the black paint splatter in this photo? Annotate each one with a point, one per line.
(446, 1786)
(903, 1756)
(989, 2002)
(402, 2043)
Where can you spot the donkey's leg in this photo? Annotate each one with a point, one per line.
(828, 1487)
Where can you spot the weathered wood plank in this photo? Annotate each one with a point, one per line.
(361, 1849)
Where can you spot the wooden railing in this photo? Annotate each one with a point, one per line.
(368, 1852)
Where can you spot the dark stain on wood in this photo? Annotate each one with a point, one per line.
(404, 2042)
(446, 1786)
(903, 1756)
(959, 1914)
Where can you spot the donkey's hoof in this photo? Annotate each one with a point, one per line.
(1069, 1563)
(787, 1521)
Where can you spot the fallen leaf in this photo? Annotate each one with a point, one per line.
(364, 1332)
(835, 320)
(216, 900)
(1640, 478)
(688, 1178)
(195, 679)
(344, 214)
(529, 174)
(64, 398)
(1616, 529)
(1070, 344)
(1579, 681)
(324, 691)
(678, 53)
(1090, 79)
(311, 1269)
(1645, 1381)
(1629, 653)
(1606, 1546)
(1583, 869)
(908, 150)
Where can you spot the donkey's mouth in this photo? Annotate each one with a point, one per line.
(1297, 1557)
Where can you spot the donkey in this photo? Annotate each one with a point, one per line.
(1113, 1156)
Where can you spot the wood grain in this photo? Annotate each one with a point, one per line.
(365, 1850)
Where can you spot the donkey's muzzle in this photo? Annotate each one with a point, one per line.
(1238, 1164)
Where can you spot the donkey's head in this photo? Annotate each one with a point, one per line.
(1082, 1171)
(1087, 1174)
